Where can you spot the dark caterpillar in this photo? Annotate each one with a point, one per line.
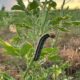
(40, 45)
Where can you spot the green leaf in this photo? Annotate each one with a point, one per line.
(52, 4)
(9, 48)
(25, 49)
(62, 29)
(17, 7)
(23, 25)
(4, 76)
(33, 5)
(55, 57)
(49, 51)
(57, 70)
(58, 19)
(75, 22)
(20, 2)
(65, 65)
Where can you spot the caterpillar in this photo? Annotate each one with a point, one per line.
(40, 45)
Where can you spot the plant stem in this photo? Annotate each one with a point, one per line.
(43, 25)
(55, 78)
(27, 70)
(62, 8)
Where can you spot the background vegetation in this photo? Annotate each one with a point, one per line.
(20, 32)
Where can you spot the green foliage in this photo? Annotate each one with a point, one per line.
(33, 5)
(30, 25)
(20, 2)
(20, 5)
(4, 76)
(9, 48)
(59, 18)
(17, 7)
(52, 54)
(25, 49)
(16, 51)
(37, 19)
(74, 23)
(21, 20)
(52, 4)
(4, 19)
